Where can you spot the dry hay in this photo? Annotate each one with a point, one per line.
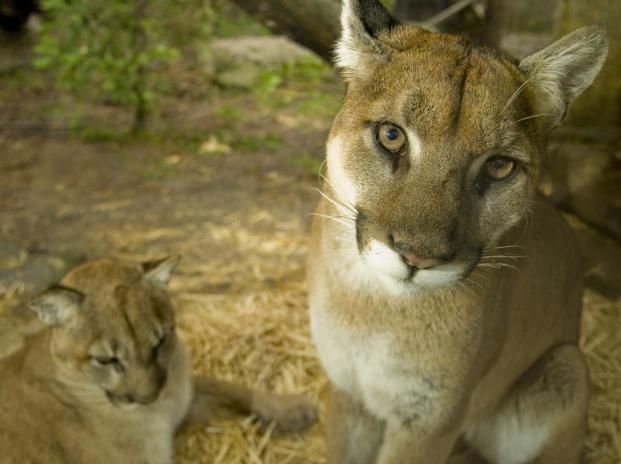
(601, 341)
(261, 338)
(255, 331)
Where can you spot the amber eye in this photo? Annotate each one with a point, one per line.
(104, 360)
(390, 137)
(499, 168)
(108, 361)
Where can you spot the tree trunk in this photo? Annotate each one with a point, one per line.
(314, 24)
(140, 83)
(485, 30)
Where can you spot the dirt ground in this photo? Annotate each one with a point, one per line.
(229, 187)
(226, 180)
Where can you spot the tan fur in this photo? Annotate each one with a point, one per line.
(58, 404)
(482, 347)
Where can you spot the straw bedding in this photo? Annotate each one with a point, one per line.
(244, 319)
(260, 337)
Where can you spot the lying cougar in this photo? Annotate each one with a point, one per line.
(109, 382)
(445, 294)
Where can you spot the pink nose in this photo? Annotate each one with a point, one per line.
(420, 263)
(410, 258)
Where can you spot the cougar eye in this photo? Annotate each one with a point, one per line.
(390, 137)
(107, 361)
(499, 168)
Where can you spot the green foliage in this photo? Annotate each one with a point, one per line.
(117, 50)
(311, 71)
(229, 113)
(250, 142)
(232, 21)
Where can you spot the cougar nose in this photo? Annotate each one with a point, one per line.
(410, 258)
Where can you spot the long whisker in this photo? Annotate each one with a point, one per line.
(336, 191)
(319, 171)
(503, 256)
(337, 203)
(498, 265)
(532, 116)
(516, 93)
(340, 221)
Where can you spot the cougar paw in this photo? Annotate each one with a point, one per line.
(290, 413)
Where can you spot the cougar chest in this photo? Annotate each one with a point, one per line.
(371, 367)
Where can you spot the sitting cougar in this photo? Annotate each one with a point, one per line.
(445, 293)
(109, 381)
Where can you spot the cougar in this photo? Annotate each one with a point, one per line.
(108, 380)
(445, 292)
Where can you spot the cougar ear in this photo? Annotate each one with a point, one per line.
(160, 271)
(563, 70)
(362, 21)
(57, 305)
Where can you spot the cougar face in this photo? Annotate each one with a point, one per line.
(113, 334)
(437, 150)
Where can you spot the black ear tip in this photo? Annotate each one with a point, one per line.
(374, 16)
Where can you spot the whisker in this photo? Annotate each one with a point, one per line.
(337, 203)
(336, 191)
(503, 256)
(532, 116)
(319, 171)
(516, 93)
(340, 221)
(499, 265)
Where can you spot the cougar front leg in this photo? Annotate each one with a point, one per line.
(414, 444)
(354, 436)
(217, 400)
(543, 418)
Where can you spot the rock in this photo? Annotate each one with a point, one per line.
(24, 273)
(244, 75)
(240, 61)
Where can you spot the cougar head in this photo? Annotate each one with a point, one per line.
(439, 144)
(113, 330)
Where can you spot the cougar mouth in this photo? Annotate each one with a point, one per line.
(392, 266)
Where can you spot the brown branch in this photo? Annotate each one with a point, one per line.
(313, 24)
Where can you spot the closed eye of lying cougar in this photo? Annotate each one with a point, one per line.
(108, 381)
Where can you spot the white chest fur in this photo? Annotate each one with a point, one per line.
(369, 367)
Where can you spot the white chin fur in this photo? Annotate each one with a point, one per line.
(437, 277)
(384, 260)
